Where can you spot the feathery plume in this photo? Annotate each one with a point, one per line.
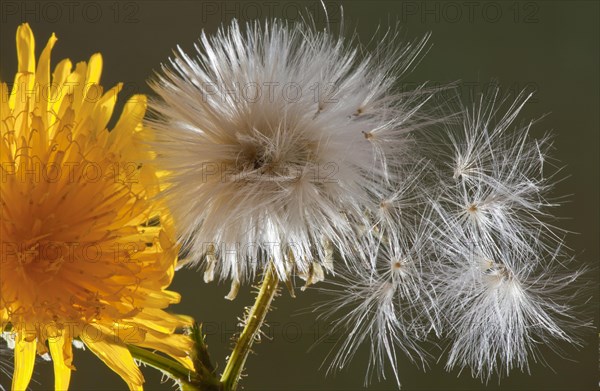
(503, 277)
(276, 136)
(388, 301)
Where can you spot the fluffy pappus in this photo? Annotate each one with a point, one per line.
(276, 136)
(388, 303)
(495, 185)
(499, 305)
(504, 279)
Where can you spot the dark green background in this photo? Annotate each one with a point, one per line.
(549, 46)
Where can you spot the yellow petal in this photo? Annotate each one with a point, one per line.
(115, 355)
(130, 120)
(104, 108)
(42, 73)
(157, 299)
(94, 69)
(21, 94)
(160, 321)
(4, 107)
(76, 82)
(26, 67)
(149, 180)
(24, 361)
(177, 346)
(135, 387)
(61, 351)
(165, 241)
(59, 91)
(25, 49)
(42, 78)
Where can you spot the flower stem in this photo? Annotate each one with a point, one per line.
(256, 316)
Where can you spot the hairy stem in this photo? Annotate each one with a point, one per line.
(256, 316)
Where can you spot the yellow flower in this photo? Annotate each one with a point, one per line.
(85, 253)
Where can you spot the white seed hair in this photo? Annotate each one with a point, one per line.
(259, 178)
(499, 307)
(498, 184)
(388, 304)
(503, 281)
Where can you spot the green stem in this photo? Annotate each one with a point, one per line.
(256, 316)
(172, 368)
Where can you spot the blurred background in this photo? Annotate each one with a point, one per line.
(551, 47)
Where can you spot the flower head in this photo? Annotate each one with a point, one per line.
(277, 137)
(85, 254)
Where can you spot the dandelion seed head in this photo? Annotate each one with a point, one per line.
(266, 168)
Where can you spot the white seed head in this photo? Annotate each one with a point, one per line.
(275, 138)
